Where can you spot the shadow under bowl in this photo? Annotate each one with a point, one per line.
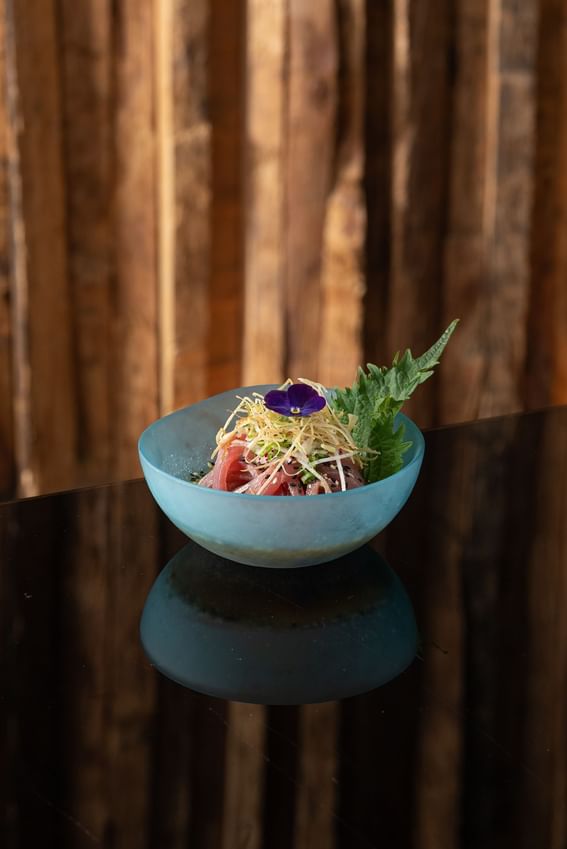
(258, 530)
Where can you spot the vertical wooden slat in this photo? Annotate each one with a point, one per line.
(316, 790)
(265, 258)
(511, 184)
(226, 94)
(421, 108)
(467, 255)
(44, 384)
(18, 270)
(244, 776)
(310, 126)
(377, 178)
(86, 54)
(6, 388)
(192, 203)
(547, 339)
(165, 175)
(134, 319)
(184, 131)
(487, 252)
(342, 276)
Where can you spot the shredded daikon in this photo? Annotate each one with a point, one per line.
(271, 441)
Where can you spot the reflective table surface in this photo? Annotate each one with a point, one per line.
(412, 695)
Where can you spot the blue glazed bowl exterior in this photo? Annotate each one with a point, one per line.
(260, 530)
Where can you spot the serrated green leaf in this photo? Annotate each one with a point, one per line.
(376, 397)
(391, 447)
(431, 357)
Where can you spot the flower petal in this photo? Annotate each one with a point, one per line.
(299, 400)
(313, 405)
(299, 394)
(277, 400)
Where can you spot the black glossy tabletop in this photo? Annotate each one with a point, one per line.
(465, 748)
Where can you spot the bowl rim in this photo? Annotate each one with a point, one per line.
(416, 459)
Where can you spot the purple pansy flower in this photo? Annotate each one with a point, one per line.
(298, 400)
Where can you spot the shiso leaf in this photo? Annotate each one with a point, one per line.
(376, 397)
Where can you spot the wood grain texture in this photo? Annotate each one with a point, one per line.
(188, 220)
(377, 107)
(85, 48)
(134, 320)
(342, 273)
(44, 379)
(420, 130)
(311, 115)
(18, 269)
(467, 248)
(165, 173)
(512, 189)
(547, 338)
(7, 466)
(487, 256)
(200, 194)
(226, 93)
(244, 776)
(265, 254)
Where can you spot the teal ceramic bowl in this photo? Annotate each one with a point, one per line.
(261, 530)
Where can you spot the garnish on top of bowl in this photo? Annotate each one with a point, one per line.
(303, 439)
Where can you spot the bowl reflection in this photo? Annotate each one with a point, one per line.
(278, 636)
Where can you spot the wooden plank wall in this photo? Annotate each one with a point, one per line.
(547, 339)
(45, 424)
(7, 466)
(207, 194)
